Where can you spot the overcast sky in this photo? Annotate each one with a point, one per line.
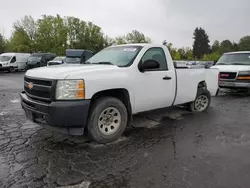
(173, 20)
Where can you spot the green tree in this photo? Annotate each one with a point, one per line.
(85, 35)
(201, 45)
(172, 50)
(108, 41)
(168, 44)
(28, 24)
(211, 57)
(189, 54)
(94, 38)
(137, 37)
(120, 40)
(216, 46)
(226, 46)
(244, 43)
(177, 56)
(75, 33)
(235, 46)
(2, 44)
(20, 41)
(51, 35)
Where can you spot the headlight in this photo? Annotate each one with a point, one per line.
(70, 90)
(244, 73)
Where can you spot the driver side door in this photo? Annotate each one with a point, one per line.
(156, 87)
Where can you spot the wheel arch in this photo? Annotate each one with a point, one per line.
(119, 93)
(202, 84)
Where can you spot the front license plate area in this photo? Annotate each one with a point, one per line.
(231, 84)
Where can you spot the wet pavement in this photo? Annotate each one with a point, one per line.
(170, 148)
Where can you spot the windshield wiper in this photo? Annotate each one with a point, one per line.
(103, 63)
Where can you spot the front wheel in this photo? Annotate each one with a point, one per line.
(202, 101)
(11, 69)
(108, 120)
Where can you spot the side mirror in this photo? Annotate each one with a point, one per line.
(149, 65)
(215, 61)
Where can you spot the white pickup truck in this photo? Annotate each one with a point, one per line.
(234, 70)
(100, 96)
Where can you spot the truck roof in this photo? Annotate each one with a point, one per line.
(13, 54)
(239, 52)
(141, 44)
(41, 53)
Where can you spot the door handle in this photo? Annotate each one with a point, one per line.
(166, 78)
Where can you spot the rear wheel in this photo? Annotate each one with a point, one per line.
(202, 101)
(108, 120)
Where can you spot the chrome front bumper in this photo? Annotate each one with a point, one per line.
(234, 84)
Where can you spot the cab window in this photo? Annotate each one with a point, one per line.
(158, 55)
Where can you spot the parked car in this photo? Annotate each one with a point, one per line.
(234, 70)
(13, 61)
(77, 56)
(39, 60)
(101, 95)
(57, 61)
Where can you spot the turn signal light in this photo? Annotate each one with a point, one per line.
(243, 78)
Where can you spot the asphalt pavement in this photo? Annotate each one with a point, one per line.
(170, 148)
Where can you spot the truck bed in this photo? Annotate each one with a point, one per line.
(187, 82)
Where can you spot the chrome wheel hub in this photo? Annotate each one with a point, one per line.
(201, 103)
(109, 121)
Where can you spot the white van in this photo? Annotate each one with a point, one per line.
(13, 61)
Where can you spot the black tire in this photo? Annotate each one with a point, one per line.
(97, 108)
(201, 92)
(11, 69)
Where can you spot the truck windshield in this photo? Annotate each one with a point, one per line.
(35, 58)
(121, 56)
(234, 59)
(4, 58)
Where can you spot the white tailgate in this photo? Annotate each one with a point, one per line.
(212, 80)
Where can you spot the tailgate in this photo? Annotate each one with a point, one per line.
(212, 78)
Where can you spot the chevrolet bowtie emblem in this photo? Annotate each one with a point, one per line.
(30, 85)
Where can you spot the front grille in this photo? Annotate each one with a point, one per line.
(228, 75)
(41, 90)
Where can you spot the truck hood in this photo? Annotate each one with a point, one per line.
(232, 68)
(65, 70)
